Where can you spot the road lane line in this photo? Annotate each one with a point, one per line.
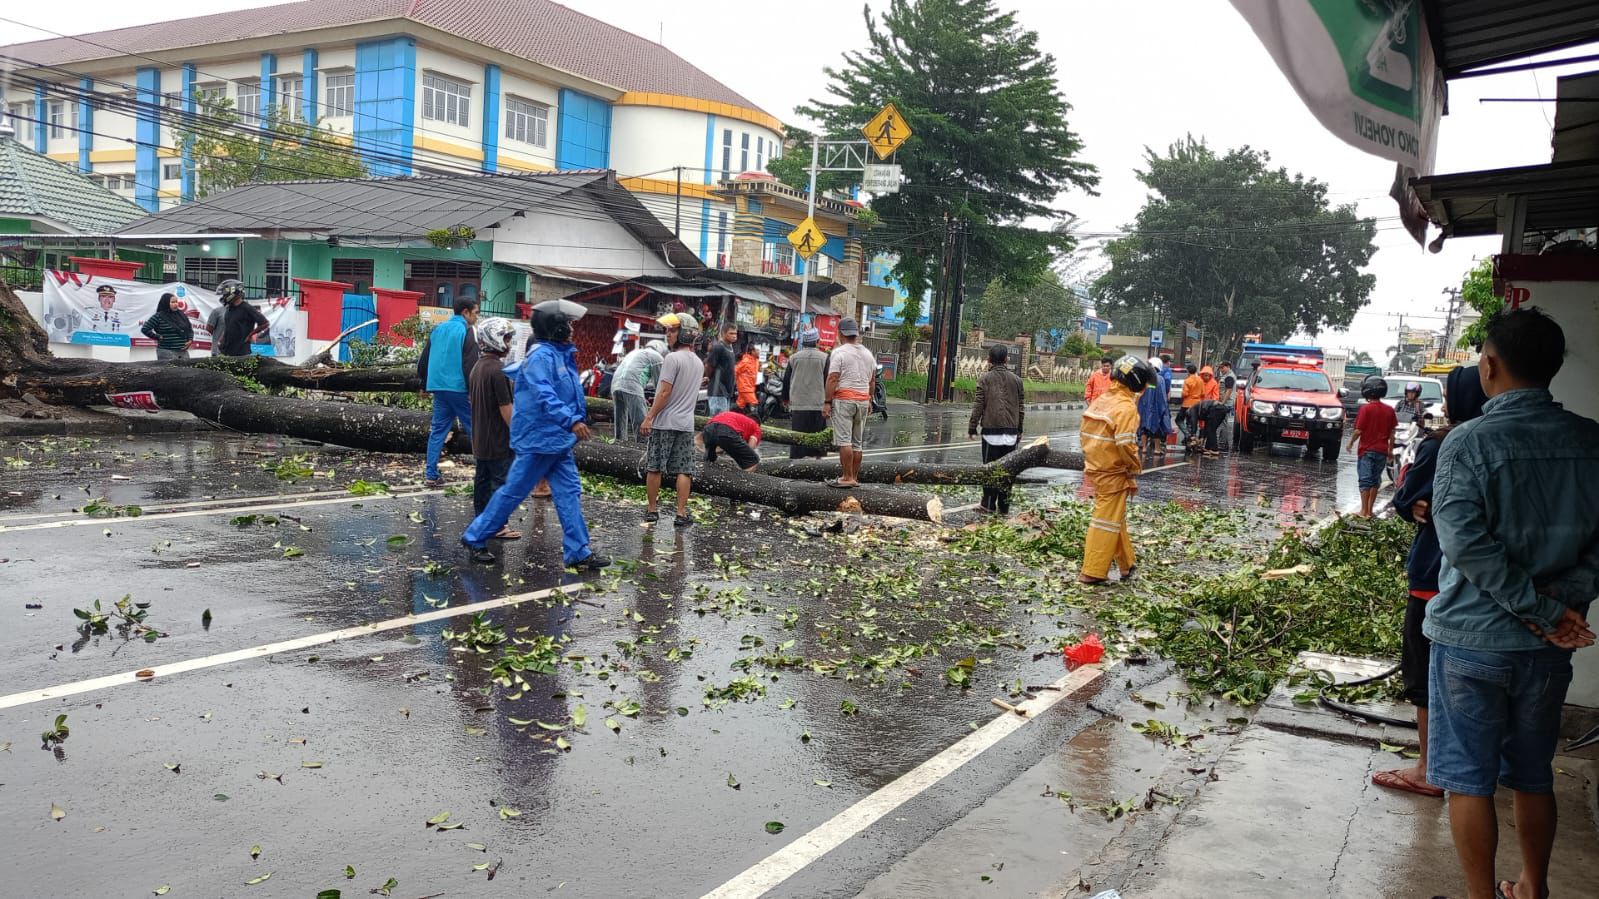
(268, 649)
(194, 513)
(164, 508)
(1164, 467)
(793, 858)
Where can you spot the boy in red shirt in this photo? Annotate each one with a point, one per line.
(733, 433)
(1374, 429)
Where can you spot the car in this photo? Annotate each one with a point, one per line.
(1290, 400)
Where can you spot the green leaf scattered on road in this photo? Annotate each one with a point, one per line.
(774, 827)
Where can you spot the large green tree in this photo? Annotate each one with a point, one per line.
(228, 153)
(1236, 246)
(1005, 311)
(990, 145)
(1477, 291)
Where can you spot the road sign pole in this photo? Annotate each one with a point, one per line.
(810, 210)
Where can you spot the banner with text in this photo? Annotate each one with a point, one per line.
(78, 310)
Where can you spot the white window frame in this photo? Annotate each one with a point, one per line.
(168, 167)
(727, 153)
(822, 265)
(744, 152)
(446, 99)
(339, 93)
(249, 89)
(56, 115)
(776, 257)
(527, 121)
(209, 92)
(22, 119)
(289, 94)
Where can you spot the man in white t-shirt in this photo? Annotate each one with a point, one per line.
(851, 374)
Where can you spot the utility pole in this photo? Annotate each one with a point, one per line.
(935, 346)
(1451, 315)
(810, 211)
(957, 299)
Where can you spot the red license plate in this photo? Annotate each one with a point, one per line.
(1297, 435)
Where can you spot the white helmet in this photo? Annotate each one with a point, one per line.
(494, 335)
(659, 346)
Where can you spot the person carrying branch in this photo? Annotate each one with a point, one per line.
(1111, 465)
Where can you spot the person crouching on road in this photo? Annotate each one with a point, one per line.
(999, 411)
(1110, 463)
(733, 433)
(669, 426)
(1413, 502)
(490, 391)
(548, 419)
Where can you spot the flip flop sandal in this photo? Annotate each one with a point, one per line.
(1093, 581)
(506, 534)
(835, 482)
(1393, 780)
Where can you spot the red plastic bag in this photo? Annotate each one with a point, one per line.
(1084, 652)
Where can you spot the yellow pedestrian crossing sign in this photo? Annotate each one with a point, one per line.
(886, 131)
(807, 238)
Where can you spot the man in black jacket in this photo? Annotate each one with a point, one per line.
(240, 321)
(719, 364)
(999, 413)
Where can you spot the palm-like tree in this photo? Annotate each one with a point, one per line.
(1361, 357)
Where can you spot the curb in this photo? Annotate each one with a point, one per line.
(102, 424)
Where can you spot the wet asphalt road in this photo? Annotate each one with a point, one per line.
(376, 735)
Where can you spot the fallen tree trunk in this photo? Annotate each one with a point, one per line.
(794, 497)
(999, 473)
(822, 439)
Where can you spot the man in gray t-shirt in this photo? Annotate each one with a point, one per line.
(669, 425)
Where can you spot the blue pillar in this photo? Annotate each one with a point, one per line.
(705, 205)
(85, 123)
(308, 107)
(269, 87)
(385, 105)
(41, 120)
(491, 117)
(190, 102)
(147, 137)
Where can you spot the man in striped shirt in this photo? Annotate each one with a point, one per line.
(1110, 463)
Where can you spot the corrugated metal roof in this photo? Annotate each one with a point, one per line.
(1558, 196)
(37, 187)
(541, 31)
(1471, 33)
(1577, 118)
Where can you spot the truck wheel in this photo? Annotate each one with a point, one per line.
(1329, 451)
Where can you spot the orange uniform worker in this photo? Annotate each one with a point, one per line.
(1098, 382)
(1110, 462)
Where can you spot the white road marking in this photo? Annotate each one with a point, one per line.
(268, 649)
(164, 508)
(1164, 467)
(193, 513)
(793, 858)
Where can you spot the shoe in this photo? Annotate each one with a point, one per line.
(682, 521)
(433, 482)
(651, 517)
(594, 562)
(984, 509)
(479, 554)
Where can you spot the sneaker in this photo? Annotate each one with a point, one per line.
(594, 562)
(682, 521)
(651, 517)
(433, 482)
(479, 554)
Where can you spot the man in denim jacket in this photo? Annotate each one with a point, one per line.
(1514, 503)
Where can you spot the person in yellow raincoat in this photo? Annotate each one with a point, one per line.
(1110, 462)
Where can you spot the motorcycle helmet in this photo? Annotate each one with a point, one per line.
(1375, 387)
(658, 346)
(688, 328)
(494, 335)
(552, 320)
(1412, 387)
(1133, 373)
(230, 289)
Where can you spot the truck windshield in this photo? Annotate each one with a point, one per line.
(1290, 379)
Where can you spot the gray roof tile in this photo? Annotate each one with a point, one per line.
(36, 186)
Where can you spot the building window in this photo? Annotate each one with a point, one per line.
(291, 95)
(341, 93)
(446, 100)
(171, 171)
(727, 154)
(277, 277)
(58, 118)
(22, 120)
(721, 241)
(208, 271)
(744, 154)
(760, 154)
(526, 121)
(777, 258)
(354, 271)
(173, 102)
(442, 281)
(249, 102)
(823, 265)
(113, 182)
(209, 94)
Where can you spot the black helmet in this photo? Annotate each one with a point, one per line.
(1133, 373)
(229, 289)
(552, 320)
(1374, 387)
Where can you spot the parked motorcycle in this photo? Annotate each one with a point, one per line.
(1407, 437)
(879, 395)
(770, 402)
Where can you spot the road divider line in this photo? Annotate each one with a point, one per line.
(164, 508)
(195, 513)
(268, 649)
(771, 871)
(1165, 467)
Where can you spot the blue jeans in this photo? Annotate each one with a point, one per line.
(1369, 469)
(449, 407)
(719, 404)
(1494, 718)
(566, 491)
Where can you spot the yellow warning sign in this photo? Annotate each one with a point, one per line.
(807, 238)
(886, 131)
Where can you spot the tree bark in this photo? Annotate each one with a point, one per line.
(822, 439)
(999, 473)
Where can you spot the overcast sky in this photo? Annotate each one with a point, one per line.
(1137, 74)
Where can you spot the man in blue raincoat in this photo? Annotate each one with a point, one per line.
(548, 418)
